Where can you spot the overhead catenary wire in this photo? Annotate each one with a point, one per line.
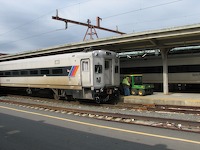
(35, 19)
(149, 7)
(144, 8)
(31, 21)
(33, 36)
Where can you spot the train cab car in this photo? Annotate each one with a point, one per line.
(92, 75)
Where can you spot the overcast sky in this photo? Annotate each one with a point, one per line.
(28, 25)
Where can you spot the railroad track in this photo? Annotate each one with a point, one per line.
(138, 107)
(162, 108)
(189, 126)
(177, 109)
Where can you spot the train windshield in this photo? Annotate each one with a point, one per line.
(138, 80)
(98, 68)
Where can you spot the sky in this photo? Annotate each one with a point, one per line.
(28, 25)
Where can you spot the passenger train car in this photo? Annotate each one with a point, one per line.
(92, 75)
(184, 70)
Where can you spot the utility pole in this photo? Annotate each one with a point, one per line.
(91, 28)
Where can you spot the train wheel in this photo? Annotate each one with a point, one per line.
(68, 97)
(29, 91)
(134, 91)
(141, 92)
(97, 99)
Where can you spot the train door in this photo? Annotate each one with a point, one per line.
(108, 72)
(85, 72)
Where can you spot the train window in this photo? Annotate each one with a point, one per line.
(194, 68)
(24, 72)
(7, 73)
(98, 68)
(106, 64)
(44, 71)
(1, 74)
(85, 66)
(57, 71)
(33, 72)
(116, 69)
(184, 68)
(15, 73)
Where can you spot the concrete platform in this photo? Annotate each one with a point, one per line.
(183, 99)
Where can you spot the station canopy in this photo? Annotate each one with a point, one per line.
(168, 38)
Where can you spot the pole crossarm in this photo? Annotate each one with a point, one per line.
(85, 24)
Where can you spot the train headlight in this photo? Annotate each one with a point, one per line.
(98, 79)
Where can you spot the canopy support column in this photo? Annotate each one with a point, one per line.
(164, 53)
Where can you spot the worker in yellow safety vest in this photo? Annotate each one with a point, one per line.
(126, 86)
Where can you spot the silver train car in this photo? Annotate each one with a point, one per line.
(92, 75)
(184, 70)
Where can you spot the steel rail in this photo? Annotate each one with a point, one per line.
(175, 124)
(140, 107)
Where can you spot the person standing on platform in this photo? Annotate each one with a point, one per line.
(126, 86)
